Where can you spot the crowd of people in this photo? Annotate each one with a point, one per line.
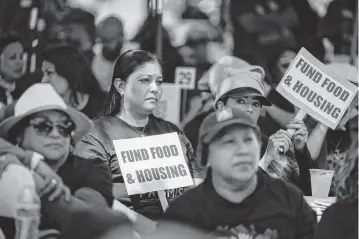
(248, 156)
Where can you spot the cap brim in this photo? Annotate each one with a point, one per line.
(82, 122)
(262, 99)
(212, 133)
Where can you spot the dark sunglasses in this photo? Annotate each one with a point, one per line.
(45, 127)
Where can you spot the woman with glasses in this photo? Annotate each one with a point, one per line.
(68, 71)
(128, 113)
(41, 122)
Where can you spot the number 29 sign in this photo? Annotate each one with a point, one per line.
(185, 77)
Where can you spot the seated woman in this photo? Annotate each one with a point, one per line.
(70, 74)
(235, 201)
(128, 113)
(51, 128)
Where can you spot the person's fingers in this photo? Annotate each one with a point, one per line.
(56, 193)
(280, 133)
(282, 144)
(295, 121)
(301, 132)
(282, 136)
(50, 186)
(300, 139)
(295, 126)
(67, 193)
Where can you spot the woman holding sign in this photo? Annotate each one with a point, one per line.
(244, 89)
(128, 113)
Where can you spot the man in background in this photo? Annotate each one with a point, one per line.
(111, 36)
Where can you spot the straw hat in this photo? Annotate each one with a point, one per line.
(41, 97)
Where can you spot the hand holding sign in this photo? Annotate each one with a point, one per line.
(300, 134)
(323, 95)
(278, 142)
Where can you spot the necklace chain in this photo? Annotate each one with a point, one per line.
(138, 132)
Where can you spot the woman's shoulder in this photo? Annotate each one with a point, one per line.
(102, 126)
(164, 124)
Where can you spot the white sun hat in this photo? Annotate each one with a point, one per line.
(42, 97)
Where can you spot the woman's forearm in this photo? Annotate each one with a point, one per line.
(265, 162)
(316, 140)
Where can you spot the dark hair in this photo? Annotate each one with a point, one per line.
(125, 65)
(8, 39)
(74, 67)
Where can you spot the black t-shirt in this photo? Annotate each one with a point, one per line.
(98, 144)
(274, 210)
(339, 221)
(77, 173)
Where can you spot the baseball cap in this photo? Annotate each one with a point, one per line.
(222, 118)
(247, 81)
(211, 80)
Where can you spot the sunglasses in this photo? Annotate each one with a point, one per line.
(45, 127)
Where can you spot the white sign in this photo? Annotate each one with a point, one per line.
(186, 77)
(152, 163)
(169, 107)
(323, 95)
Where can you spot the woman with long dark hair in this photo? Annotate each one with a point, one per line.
(70, 74)
(128, 113)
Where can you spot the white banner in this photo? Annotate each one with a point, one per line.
(323, 95)
(152, 163)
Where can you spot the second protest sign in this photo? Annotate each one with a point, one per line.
(323, 95)
(152, 163)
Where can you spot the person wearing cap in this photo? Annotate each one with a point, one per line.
(235, 201)
(243, 88)
(208, 85)
(110, 33)
(333, 147)
(50, 128)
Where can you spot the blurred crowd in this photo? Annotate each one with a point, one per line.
(70, 85)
